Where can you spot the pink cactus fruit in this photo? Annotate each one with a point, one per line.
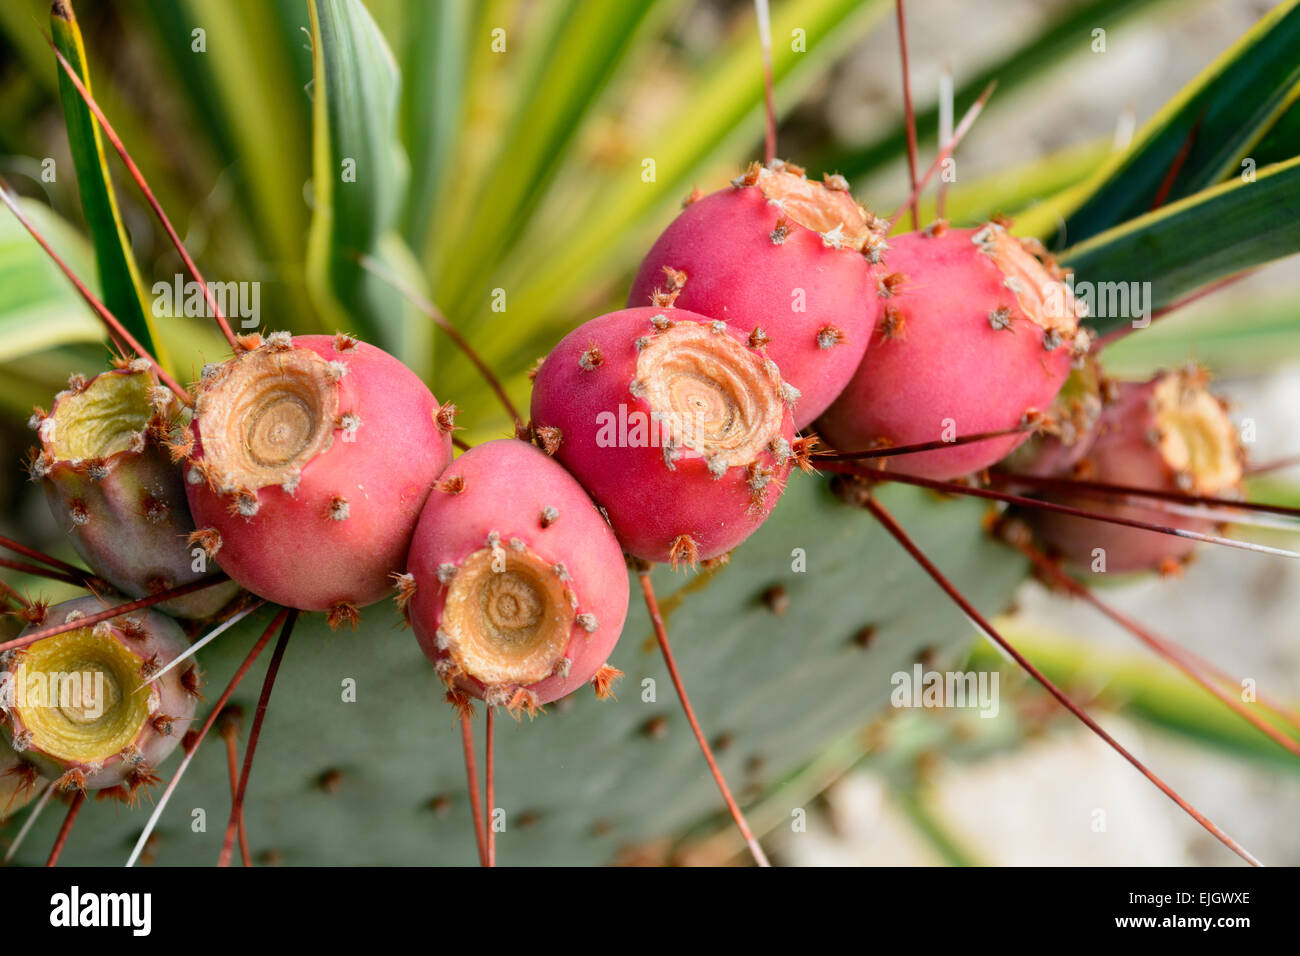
(978, 335)
(312, 459)
(679, 429)
(515, 586)
(114, 489)
(90, 708)
(789, 259)
(1069, 427)
(1170, 433)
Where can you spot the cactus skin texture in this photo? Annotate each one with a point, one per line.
(753, 253)
(313, 456)
(559, 585)
(1168, 433)
(109, 735)
(586, 782)
(710, 471)
(977, 335)
(114, 489)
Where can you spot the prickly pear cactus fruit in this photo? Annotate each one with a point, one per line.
(114, 489)
(791, 260)
(1170, 433)
(978, 334)
(516, 587)
(676, 424)
(90, 708)
(360, 761)
(312, 457)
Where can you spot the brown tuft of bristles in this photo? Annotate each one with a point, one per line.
(461, 703)
(749, 177)
(209, 539)
(344, 342)
(341, 613)
(548, 438)
(451, 485)
(663, 298)
(249, 342)
(603, 682)
(72, 781)
(35, 611)
(674, 279)
(445, 418)
(140, 776)
(802, 448)
(523, 701)
(893, 325)
(532, 372)
(695, 196)
(684, 551)
(163, 725)
(828, 336)
(192, 680)
(591, 359)
(405, 587)
(758, 338)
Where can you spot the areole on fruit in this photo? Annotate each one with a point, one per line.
(111, 485)
(312, 458)
(515, 585)
(681, 432)
(979, 334)
(19, 781)
(1168, 433)
(85, 706)
(788, 261)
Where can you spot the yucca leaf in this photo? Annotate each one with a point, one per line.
(1204, 134)
(1068, 34)
(1236, 335)
(39, 308)
(1189, 244)
(569, 66)
(242, 67)
(359, 182)
(121, 286)
(434, 56)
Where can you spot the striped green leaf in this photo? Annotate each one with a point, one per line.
(122, 288)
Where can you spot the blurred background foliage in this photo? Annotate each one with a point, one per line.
(528, 151)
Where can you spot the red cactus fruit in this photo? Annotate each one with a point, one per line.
(312, 459)
(677, 428)
(86, 706)
(516, 587)
(1170, 433)
(1069, 427)
(788, 259)
(978, 334)
(112, 486)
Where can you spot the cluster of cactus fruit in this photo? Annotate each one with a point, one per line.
(317, 472)
(771, 318)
